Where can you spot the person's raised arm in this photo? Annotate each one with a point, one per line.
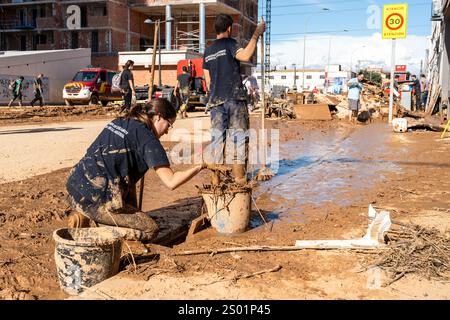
(173, 180)
(245, 54)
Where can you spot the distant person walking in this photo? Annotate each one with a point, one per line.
(425, 88)
(38, 93)
(354, 91)
(127, 85)
(417, 94)
(184, 82)
(17, 91)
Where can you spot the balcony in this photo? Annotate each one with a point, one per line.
(16, 25)
(46, 23)
(97, 21)
(436, 10)
(24, 2)
(47, 46)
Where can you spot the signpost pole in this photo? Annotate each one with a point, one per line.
(391, 87)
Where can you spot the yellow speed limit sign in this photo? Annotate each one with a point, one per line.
(395, 17)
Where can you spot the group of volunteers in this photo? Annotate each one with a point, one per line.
(102, 185)
(16, 88)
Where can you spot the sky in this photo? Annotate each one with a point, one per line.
(350, 30)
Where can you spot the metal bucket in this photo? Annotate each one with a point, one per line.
(85, 257)
(228, 212)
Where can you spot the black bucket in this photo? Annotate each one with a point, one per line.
(85, 257)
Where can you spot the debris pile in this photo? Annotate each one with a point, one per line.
(281, 108)
(418, 250)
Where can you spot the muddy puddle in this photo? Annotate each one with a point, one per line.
(327, 167)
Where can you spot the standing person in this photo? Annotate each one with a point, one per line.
(184, 83)
(38, 95)
(425, 88)
(417, 95)
(354, 92)
(102, 186)
(229, 114)
(127, 85)
(17, 91)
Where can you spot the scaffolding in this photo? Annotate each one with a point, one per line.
(267, 43)
(189, 39)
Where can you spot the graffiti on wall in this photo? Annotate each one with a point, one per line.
(27, 88)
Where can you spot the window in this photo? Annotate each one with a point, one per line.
(283, 77)
(94, 41)
(42, 11)
(103, 76)
(111, 76)
(309, 77)
(40, 38)
(23, 16)
(99, 11)
(322, 76)
(74, 40)
(83, 13)
(86, 76)
(23, 43)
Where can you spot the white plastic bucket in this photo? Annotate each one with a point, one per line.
(399, 125)
(228, 212)
(85, 257)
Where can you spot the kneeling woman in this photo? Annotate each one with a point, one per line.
(102, 186)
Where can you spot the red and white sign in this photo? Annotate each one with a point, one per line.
(400, 68)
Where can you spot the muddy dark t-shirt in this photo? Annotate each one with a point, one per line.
(120, 156)
(224, 69)
(185, 80)
(126, 75)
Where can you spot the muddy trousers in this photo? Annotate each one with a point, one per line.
(37, 97)
(229, 133)
(129, 222)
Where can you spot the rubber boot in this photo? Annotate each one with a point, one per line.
(239, 173)
(77, 220)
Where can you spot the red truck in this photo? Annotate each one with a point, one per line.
(91, 85)
(197, 92)
(197, 96)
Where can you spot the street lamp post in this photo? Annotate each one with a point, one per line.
(295, 77)
(304, 49)
(158, 27)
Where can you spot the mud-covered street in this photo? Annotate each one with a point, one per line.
(329, 173)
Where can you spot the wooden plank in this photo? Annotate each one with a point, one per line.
(197, 224)
(174, 221)
(296, 98)
(312, 112)
(434, 97)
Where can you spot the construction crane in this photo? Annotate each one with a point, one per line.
(267, 42)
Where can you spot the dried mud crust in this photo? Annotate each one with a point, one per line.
(46, 114)
(30, 210)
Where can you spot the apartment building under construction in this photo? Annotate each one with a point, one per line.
(112, 26)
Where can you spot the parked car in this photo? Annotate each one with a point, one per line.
(91, 86)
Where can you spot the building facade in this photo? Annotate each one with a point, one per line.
(112, 26)
(312, 78)
(438, 57)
